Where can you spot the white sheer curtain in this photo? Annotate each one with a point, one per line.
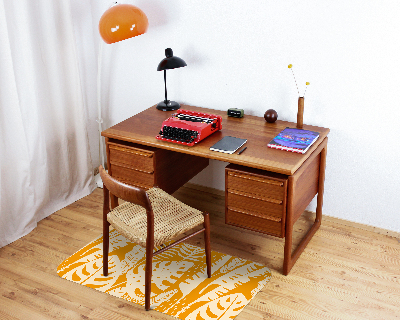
(45, 159)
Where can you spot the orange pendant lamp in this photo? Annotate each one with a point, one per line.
(122, 21)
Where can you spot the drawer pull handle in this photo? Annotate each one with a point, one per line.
(276, 183)
(257, 198)
(140, 153)
(258, 216)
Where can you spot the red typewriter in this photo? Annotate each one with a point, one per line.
(189, 127)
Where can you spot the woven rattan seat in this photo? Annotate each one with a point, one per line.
(171, 218)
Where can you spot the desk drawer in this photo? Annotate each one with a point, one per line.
(252, 221)
(262, 186)
(133, 177)
(255, 199)
(268, 208)
(131, 157)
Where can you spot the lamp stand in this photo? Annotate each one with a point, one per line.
(99, 119)
(167, 105)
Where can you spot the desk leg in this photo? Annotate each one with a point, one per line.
(289, 259)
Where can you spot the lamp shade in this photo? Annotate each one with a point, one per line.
(170, 62)
(122, 21)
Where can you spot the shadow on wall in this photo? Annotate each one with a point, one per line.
(212, 176)
(157, 14)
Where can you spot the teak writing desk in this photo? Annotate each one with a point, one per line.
(266, 189)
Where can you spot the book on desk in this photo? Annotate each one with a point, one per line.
(228, 144)
(294, 140)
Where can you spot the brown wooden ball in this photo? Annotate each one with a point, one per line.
(270, 115)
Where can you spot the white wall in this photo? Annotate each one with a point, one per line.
(237, 54)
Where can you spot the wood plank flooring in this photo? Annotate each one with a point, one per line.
(345, 272)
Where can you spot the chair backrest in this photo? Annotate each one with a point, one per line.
(124, 191)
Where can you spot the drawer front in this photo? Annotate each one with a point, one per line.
(262, 187)
(246, 220)
(267, 208)
(255, 200)
(133, 177)
(130, 157)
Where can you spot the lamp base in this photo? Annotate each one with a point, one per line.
(168, 105)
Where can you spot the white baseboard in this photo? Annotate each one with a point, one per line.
(98, 181)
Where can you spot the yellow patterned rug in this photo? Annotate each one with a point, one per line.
(180, 286)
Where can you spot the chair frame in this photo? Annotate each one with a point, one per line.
(116, 189)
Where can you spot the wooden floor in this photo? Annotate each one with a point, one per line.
(344, 273)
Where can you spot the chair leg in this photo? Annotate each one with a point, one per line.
(148, 273)
(106, 237)
(207, 242)
(106, 229)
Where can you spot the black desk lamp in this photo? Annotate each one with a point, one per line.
(169, 62)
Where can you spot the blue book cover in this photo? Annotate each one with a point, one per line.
(294, 140)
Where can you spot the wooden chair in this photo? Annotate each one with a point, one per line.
(149, 218)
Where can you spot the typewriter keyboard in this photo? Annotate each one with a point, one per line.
(178, 134)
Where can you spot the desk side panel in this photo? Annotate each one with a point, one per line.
(306, 182)
(306, 187)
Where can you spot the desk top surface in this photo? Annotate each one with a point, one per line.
(144, 126)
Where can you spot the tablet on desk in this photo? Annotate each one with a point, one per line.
(228, 144)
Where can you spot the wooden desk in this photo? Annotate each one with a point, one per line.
(137, 157)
